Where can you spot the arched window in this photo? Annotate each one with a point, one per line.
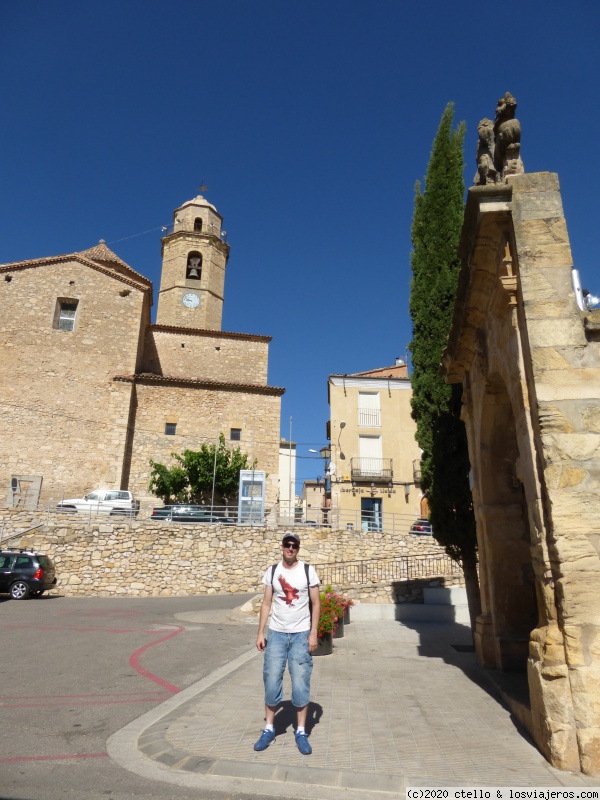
(194, 266)
(198, 224)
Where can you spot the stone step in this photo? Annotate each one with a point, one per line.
(441, 605)
(453, 596)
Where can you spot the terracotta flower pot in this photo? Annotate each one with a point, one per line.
(324, 645)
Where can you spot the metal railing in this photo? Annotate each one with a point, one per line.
(346, 519)
(206, 514)
(399, 568)
(365, 468)
(352, 519)
(369, 417)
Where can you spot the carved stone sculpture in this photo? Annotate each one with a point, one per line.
(499, 145)
(486, 172)
(507, 138)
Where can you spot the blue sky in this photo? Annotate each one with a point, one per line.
(309, 122)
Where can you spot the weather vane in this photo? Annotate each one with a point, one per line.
(203, 187)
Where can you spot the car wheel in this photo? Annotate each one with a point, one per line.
(19, 590)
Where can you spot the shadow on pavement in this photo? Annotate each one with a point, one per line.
(286, 717)
(453, 643)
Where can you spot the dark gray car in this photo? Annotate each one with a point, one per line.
(25, 573)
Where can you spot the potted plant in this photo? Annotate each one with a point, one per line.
(344, 604)
(332, 610)
(348, 602)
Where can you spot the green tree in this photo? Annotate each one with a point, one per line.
(170, 484)
(436, 227)
(191, 479)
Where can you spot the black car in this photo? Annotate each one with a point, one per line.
(25, 573)
(189, 513)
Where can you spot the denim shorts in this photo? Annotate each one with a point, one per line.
(293, 649)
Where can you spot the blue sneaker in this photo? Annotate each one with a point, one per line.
(303, 744)
(265, 740)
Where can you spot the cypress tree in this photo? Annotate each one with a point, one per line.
(441, 435)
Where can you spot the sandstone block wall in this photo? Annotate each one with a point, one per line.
(201, 413)
(145, 559)
(63, 418)
(565, 362)
(198, 354)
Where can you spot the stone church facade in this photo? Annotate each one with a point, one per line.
(90, 390)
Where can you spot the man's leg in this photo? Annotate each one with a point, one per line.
(273, 668)
(301, 713)
(300, 666)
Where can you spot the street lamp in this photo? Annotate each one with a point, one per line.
(325, 453)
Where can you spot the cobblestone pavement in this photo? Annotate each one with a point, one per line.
(394, 706)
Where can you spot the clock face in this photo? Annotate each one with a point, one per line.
(191, 300)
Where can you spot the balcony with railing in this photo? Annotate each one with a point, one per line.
(375, 470)
(369, 417)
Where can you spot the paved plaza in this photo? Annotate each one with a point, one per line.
(394, 706)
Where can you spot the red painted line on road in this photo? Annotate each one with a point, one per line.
(134, 662)
(152, 699)
(16, 759)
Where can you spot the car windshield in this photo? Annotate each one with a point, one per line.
(92, 496)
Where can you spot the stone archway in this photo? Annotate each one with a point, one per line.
(510, 581)
(529, 363)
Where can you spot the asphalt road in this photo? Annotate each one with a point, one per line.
(73, 671)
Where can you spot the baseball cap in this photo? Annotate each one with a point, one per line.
(291, 535)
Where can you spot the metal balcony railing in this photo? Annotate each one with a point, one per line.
(369, 417)
(371, 469)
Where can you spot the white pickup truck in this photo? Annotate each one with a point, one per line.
(103, 501)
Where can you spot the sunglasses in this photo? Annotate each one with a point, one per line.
(293, 545)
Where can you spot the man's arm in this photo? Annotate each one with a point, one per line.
(263, 617)
(315, 599)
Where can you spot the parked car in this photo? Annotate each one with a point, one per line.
(422, 527)
(103, 501)
(25, 573)
(189, 513)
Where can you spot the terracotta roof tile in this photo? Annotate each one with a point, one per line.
(208, 332)
(149, 377)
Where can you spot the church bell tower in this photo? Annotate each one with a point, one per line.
(194, 257)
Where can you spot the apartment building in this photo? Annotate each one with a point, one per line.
(374, 459)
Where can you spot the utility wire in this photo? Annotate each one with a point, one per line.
(143, 233)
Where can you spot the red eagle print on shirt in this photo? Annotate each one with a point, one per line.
(291, 593)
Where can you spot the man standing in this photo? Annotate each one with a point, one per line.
(292, 587)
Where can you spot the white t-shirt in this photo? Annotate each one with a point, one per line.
(290, 610)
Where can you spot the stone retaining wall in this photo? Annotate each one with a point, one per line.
(121, 558)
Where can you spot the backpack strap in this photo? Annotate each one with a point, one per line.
(273, 568)
(306, 567)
